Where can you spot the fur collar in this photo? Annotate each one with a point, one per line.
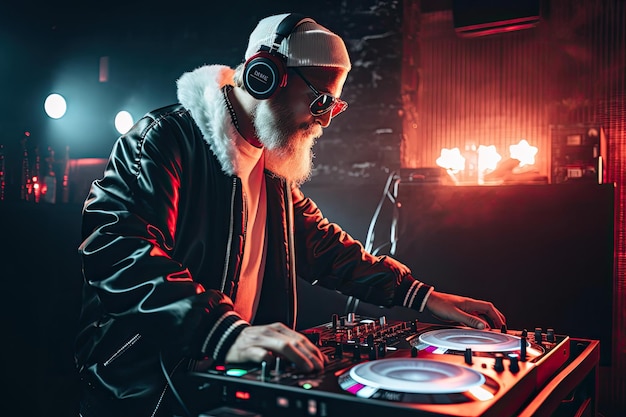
(200, 92)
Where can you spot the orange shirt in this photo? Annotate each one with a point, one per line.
(249, 167)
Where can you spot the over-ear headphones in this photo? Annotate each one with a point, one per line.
(266, 71)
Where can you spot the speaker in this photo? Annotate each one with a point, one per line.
(265, 71)
(578, 154)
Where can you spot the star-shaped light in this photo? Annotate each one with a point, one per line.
(523, 152)
(451, 159)
(488, 158)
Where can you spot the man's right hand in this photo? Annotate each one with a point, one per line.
(260, 343)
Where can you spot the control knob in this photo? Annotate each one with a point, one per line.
(468, 356)
(498, 366)
(513, 363)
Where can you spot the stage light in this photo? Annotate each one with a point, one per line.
(123, 121)
(55, 106)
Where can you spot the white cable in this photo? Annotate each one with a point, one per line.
(369, 239)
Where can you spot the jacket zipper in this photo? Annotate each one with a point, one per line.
(236, 277)
(292, 252)
(230, 233)
(160, 400)
(168, 376)
(123, 349)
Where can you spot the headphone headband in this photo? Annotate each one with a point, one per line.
(265, 72)
(285, 27)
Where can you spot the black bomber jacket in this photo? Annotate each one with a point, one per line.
(163, 234)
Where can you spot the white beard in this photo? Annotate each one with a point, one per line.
(288, 148)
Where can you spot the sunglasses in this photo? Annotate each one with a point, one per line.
(323, 103)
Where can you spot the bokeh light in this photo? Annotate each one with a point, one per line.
(55, 106)
(123, 121)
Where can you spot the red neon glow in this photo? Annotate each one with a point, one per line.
(157, 251)
(180, 276)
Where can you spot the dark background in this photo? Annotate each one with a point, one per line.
(57, 46)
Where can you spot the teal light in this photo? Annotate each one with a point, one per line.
(236, 372)
(307, 386)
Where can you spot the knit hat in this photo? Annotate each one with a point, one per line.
(310, 44)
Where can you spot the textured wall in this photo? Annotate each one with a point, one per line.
(362, 145)
(567, 71)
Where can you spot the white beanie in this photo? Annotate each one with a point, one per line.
(310, 44)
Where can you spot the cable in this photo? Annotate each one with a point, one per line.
(352, 303)
(171, 384)
(393, 231)
(369, 239)
(380, 247)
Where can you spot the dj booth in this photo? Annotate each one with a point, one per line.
(543, 254)
(381, 367)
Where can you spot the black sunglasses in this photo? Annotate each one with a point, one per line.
(323, 103)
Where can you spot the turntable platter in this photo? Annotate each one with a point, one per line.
(477, 340)
(412, 375)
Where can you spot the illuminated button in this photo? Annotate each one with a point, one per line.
(312, 407)
(236, 372)
(242, 395)
(282, 402)
(309, 383)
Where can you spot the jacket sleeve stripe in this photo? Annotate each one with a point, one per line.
(222, 331)
(227, 339)
(417, 295)
(423, 305)
(406, 303)
(415, 291)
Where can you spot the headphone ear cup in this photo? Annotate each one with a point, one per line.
(263, 74)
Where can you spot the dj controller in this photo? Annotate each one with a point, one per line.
(399, 368)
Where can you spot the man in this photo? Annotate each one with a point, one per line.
(195, 234)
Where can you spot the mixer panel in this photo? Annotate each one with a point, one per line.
(405, 367)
